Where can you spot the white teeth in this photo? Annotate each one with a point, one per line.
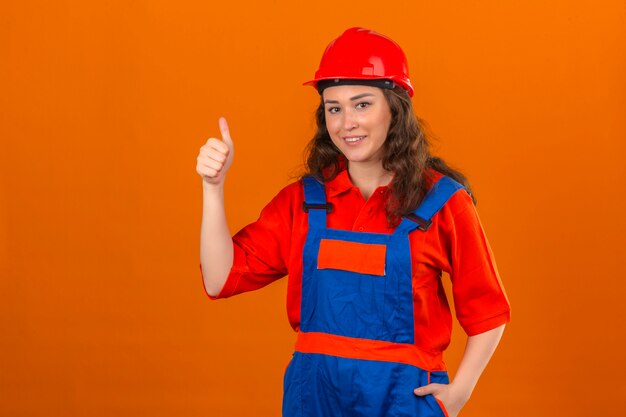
(350, 140)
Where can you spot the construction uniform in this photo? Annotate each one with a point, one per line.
(367, 302)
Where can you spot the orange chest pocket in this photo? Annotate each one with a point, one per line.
(363, 258)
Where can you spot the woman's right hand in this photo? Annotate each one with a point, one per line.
(216, 156)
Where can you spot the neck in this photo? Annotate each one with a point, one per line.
(368, 177)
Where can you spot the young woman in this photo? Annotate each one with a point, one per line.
(364, 237)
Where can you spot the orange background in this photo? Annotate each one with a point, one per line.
(104, 106)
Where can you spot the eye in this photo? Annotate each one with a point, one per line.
(362, 105)
(332, 110)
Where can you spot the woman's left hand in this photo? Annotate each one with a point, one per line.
(452, 398)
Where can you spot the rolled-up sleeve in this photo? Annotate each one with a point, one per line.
(261, 248)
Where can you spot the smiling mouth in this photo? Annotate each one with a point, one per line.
(354, 139)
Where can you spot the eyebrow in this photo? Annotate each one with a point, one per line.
(351, 98)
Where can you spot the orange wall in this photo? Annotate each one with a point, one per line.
(104, 105)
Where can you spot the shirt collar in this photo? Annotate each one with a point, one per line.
(342, 183)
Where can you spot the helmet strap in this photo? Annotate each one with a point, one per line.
(380, 83)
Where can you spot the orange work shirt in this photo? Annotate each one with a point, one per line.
(271, 248)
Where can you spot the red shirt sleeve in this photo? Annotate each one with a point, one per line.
(479, 298)
(261, 249)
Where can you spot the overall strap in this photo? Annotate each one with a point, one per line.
(435, 199)
(315, 202)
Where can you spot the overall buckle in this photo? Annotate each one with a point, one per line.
(422, 223)
(306, 207)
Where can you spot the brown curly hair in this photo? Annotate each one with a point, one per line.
(406, 153)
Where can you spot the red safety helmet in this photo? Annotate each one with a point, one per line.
(362, 54)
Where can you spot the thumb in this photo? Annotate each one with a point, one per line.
(425, 390)
(226, 133)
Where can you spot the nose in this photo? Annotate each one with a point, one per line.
(349, 120)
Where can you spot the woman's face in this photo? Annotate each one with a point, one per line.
(357, 119)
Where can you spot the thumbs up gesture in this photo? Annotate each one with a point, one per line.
(216, 156)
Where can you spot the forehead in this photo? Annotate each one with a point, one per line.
(346, 92)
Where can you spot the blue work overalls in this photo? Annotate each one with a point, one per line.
(346, 307)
